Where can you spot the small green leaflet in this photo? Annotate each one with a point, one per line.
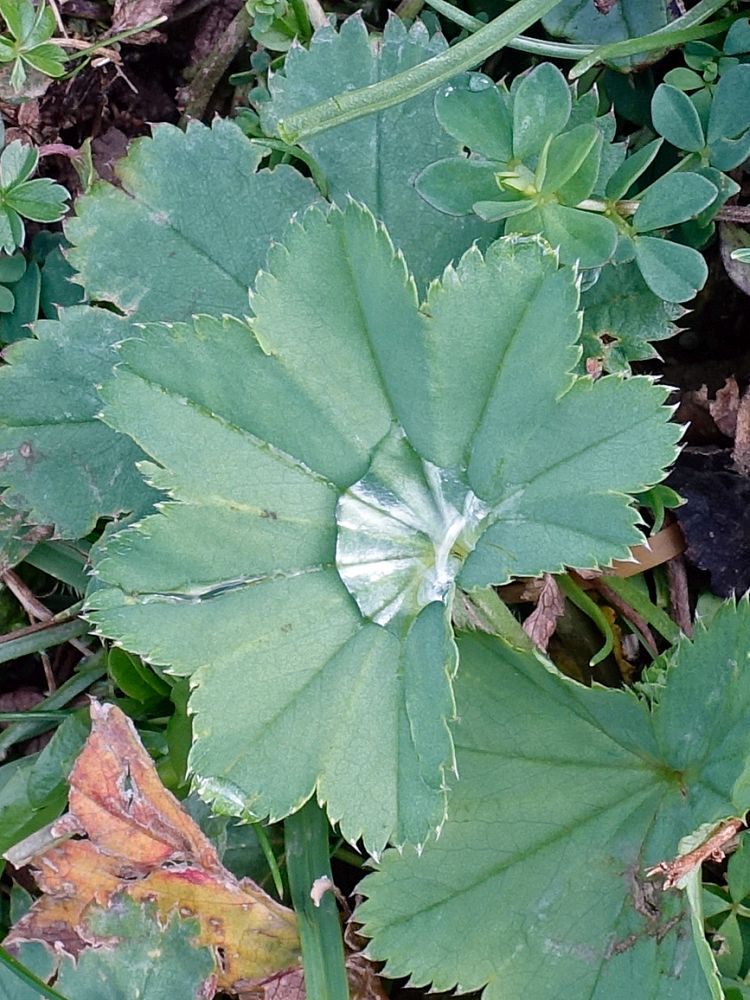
(142, 960)
(333, 489)
(193, 218)
(536, 886)
(60, 464)
(376, 158)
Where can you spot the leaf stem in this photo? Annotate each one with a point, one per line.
(663, 39)
(38, 637)
(470, 52)
(522, 43)
(105, 43)
(493, 616)
(307, 859)
(577, 596)
(655, 617)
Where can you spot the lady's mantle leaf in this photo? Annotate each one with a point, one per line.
(622, 318)
(58, 463)
(336, 480)
(192, 218)
(583, 21)
(376, 159)
(567, 795)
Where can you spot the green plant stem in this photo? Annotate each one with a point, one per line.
(89, 672)
(39, 637)
(661, 40)
(653, 616)
(465, 55)
(493, 615)
(522, 43)
(303, 21)
(583, 602)
(306, 843)
(27, 977)
(273, 864)
(105, 43)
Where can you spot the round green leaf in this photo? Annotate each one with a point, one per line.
(730, 108)
(12, 268)
(40, 200)
(565, 156)
(453, 186)
(7, 300)
(675, 117)
(541, 108)
(473, 110)
(17, 162)
(631, 169)
(333, 480)
(672, 199)
(672, 271)
(582, 237)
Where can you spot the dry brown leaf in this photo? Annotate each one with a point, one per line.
(131, 13)
(540, 625)
(140, 841)
(741, 449)
(723, 409)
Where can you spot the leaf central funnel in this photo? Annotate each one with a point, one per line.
(404, 531)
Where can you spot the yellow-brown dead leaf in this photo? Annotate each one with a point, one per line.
(139, 840)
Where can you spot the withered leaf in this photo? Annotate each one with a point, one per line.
(137, 841)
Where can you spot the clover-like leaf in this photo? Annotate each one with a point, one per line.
(537, 886)
(58, 462)
(333, 489)
(376, 158)
(542, 151)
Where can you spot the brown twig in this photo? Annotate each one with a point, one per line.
(30, 604)
(209, 72)
(733, 213)
(679, 598)
(37, 612)
(715, 848)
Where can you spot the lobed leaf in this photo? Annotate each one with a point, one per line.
(567, 796)
(622, 318)
(200, 214)
(60, 464)
(375, 159)
(328, 500)
(144, 958)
